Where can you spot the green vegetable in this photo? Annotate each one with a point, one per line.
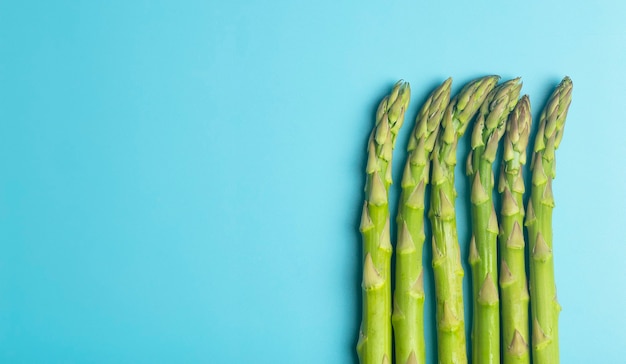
(374, 344)
(513, 284)
(483, 257)
(408, 312)
(544, 306)
(448, 271)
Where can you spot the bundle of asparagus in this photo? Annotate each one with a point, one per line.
(432, 157)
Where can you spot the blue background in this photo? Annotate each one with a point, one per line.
(181, 181)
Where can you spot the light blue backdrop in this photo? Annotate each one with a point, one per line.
(181, 181)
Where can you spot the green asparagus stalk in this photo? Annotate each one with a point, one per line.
(447, 268)
(544, 305)
(408, 311)
(374, 345)
(483, 255)
(513, 284)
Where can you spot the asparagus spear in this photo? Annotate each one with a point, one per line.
(513, 284)
(374, 345)
(488, 130)
(408, 312)
(544, 306)
(447, 267)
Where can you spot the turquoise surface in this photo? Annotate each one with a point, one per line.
(181, 181)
